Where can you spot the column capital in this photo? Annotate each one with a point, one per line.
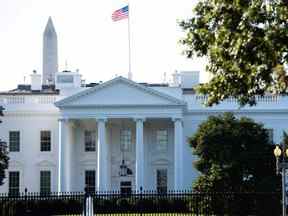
(139, 119)
(102, 119)
(175, 119)
(63, 119)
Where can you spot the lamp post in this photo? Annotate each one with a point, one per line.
(282, 165)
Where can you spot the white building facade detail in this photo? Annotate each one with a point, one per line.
(63, 135)
(108, 110)
(84, 139)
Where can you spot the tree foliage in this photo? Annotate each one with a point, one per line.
(246, 44)
(233, 155)
(3, 155)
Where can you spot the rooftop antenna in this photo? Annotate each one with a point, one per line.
(66, 64)
(165, 77)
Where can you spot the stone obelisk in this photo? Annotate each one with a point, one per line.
(50, 54)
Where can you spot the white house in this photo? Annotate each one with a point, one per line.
(114, 135)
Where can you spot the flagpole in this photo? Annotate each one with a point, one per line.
(129, 44)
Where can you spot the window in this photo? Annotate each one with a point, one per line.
(89, 139)
(45, 140)
(64, 79)
(14, 141)
(162, 140)
(270, 135)
(125, 140)
(14, 183)
(45, 181)
(161, 178)
(90, 180)
(125, 187)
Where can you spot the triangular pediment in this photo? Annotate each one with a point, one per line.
(119, 92)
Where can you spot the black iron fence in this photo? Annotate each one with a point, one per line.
(142, 202)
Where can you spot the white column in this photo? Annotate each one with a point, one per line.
(102, 157)
(139, 154)
(68, 156)
(178, 154)
(64, 157)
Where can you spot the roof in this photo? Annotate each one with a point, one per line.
(117, 80)
(26, 90)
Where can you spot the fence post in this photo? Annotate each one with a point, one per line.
(26, 203)
(194, 198)
(141, 200)
(85, 200)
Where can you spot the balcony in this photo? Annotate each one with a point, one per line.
(28, 102)
(267, 102)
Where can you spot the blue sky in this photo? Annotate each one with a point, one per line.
(88, 40)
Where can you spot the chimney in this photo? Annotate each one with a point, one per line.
(189, 79)
(175, 79)
(35, 81)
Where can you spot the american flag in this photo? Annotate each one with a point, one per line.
(120, 14)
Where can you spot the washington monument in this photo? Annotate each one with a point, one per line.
(50, 54)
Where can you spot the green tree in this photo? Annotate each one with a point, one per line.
(245, 43)
(233, 155)
(3, 155)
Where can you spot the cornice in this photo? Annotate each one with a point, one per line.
(120, 79)
(31, 113)
(238, 111)
(126, 106)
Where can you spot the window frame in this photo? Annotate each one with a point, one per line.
(160, 139)
(92, 147)
(44, 186)
(65, 79)
(14, 146)
(125, 140)
(91, 188)
(161, 188)
(46, 145)
(14, 189)
(125, 187)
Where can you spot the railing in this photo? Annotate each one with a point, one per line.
(27, 99)
(148, 202)
(260, 99)
(50, 99)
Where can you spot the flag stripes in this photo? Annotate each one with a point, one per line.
(120, 14)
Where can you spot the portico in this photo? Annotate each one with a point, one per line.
(143, 116)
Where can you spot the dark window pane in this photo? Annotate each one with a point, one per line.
(14, 141)
(90, 180)
(45, 140)
(90, 141)
(125, 187)
(45, 181)
(161, 180)
(14, 183)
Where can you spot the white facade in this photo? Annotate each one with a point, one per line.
(113, 135)
(107, 109)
